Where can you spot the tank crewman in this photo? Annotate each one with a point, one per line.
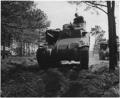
(78, 19)
(79, 22)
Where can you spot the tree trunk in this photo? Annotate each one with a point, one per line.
(31, 48)
(8, 40)
(94, 45)
(23, 48)
(28, 49)
(20, 49)
(3, 52)
(34, 48)
(114, 31)
(111, 37)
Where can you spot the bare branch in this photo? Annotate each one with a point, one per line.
(96, 4)
(97, 7)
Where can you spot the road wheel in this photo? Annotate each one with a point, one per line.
(84, 58)
(41, 58)
(55, 60)
(57, 63)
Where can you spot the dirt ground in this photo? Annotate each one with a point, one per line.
(94, 59)
(22, 77)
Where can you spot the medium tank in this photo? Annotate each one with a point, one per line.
(104, 49)
(70, 43)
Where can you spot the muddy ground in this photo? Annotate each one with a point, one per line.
(22, 77)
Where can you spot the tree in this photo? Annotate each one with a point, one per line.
(11, 12)
(98, 33)
(112, 34)
(110, 7)
(18, 17)
(96, 46)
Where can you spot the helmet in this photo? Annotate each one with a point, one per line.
(76, 15)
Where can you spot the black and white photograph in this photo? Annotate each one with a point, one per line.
(60, 48)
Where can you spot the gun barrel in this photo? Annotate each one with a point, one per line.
(50, 34)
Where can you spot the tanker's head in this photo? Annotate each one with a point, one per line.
(79, 21)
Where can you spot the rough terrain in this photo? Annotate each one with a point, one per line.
(22, 77)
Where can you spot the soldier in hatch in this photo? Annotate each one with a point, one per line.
(79, 22)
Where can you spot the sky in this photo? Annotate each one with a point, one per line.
(61, 12)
